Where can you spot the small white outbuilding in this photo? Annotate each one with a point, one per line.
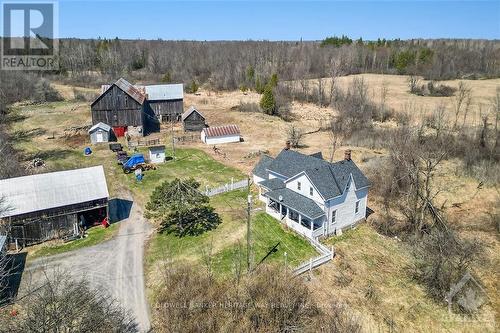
(101, 132)
(157, 154)
(220, 134)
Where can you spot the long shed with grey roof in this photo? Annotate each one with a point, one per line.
(52, 205)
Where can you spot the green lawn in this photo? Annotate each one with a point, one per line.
(95, 236)
(188, 163)
(266, 233)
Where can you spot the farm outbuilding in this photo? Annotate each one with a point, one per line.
(193, 120)
(101, 132)
(220, 134)
(53, 205)
(166, 101)
(157, 154)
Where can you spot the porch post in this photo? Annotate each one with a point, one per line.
(312, 226)
(300, 219)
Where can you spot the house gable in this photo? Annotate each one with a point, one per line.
(305, 186)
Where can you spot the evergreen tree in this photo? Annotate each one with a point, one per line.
(267, 101)
(274, 80)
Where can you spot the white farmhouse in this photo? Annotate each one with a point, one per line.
(310, 195)
(220, 134)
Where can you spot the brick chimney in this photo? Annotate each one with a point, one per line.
(287, 145)
(347, 155)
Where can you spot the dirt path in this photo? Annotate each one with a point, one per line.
(115, 266)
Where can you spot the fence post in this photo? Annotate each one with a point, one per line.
(232, 183)
(206, 189)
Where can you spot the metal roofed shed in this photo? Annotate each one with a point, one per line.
(157, 154)
(220, 134)
(3, 245)
(164, 92)
(52, 205)
(101, 132)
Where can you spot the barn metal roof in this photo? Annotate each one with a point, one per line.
(191, 110)
(137, 94)
(100, 125)
(51, 190)
(221, 131)
(3, 240)
(163, 92)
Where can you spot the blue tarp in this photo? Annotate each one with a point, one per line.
(134, 160)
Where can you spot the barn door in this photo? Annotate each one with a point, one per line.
(99, 136)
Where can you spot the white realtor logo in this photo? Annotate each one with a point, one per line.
(468, 298)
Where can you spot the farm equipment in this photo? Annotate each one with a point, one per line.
(122, 157)
(115, 147)
(137, 161)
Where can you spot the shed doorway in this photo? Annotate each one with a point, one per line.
(99, 136)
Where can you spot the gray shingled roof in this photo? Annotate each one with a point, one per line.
(329, 178)
(260, 170)
(297, 202)
(272, 184)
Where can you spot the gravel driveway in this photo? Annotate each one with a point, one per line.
(115, 266)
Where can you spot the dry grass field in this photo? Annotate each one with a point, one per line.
(369, 272)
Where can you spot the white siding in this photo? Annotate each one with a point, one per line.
(220, 139)
(345, 206)
(275, 175)
(305, 186)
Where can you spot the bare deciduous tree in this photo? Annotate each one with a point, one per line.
(462, 102)
(62, 304)
(295, 136)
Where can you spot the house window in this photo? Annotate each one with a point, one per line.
(356, 210)
(334, 216)
(311, 191)
(298, 186)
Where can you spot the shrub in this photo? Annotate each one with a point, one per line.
(44, 92)
(248, 107)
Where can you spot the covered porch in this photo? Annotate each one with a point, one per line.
(301, 214)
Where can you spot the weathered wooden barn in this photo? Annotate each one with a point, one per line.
(121, 105)
(166, 101)
(53, 205)
(193, 120)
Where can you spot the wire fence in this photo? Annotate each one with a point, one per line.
(231, 186)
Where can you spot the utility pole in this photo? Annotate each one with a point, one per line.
(249, 207)
(173, 140)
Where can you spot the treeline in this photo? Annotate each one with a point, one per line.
(225, 65)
